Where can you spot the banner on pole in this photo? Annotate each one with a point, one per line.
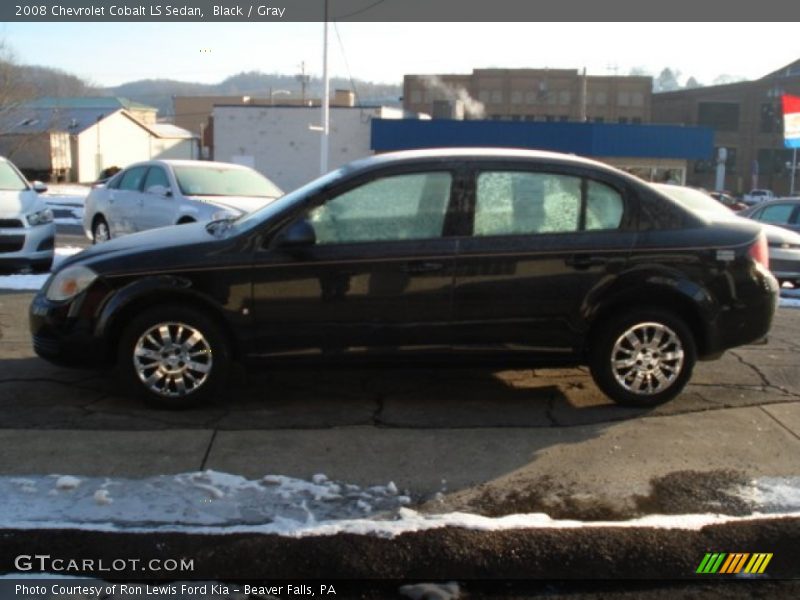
(791, 121)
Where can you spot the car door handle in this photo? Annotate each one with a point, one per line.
(422, 267)
(584, 261)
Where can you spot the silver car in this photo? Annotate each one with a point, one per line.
(27, 230)
(784, 245)
(783, 212)
(159, 193)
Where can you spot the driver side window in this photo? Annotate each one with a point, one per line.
(394, 208)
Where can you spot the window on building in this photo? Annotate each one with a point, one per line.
(484, 96)
(622, 120)
(624, 99)
(771, 118)
(600, 98)
(636, 120)
(720, 116)
(549, 118)
(530, 117)
(517, 97)
(637, 99)
(531, 97)
(773, 160)
(496, 97)
(516, 117)
(564, 97)
(599, 120)
(563, 118)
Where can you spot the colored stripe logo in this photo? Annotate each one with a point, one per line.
(723, 563)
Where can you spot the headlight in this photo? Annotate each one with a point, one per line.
(69, 283)
(227, 215)
(41, 217)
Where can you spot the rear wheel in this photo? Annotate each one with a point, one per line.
(173, 357)
(100, 231)
(643, 358)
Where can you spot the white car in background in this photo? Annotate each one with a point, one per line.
(158, 193)
(27, 230)
(783, 245)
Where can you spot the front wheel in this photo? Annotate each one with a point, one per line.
(643, 358)
(173, 357)
(100, 231)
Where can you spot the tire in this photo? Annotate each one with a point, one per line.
(100, 231)
(159, 368)
(665, 366)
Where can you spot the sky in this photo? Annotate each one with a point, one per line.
(111, 53)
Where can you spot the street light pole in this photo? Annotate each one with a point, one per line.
(323, 154)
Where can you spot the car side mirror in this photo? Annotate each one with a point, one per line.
(39, 187)
(159, 190)
(298, 235)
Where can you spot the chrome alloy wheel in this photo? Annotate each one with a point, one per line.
(172, 359)
(647, 358)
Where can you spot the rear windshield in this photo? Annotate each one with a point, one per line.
(10, 180)
(224, 181)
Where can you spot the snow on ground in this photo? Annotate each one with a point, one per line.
(66, 200)
(35, 282)
(213, 502)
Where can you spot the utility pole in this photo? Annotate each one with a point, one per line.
(323, 154)
(303, 79)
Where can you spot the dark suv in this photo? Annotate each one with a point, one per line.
(534, 258)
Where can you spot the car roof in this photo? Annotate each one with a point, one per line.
(478, 153)
(173, 162)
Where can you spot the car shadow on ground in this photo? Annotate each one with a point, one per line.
(37, 395)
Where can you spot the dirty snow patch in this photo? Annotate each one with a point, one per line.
(211, 502)
(35, 282)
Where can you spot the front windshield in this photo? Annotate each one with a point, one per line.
(254, 218)
(10, 181)
(207, 180)
(694, 200)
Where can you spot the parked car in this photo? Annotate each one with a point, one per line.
(728, 200)
(757, 196)
(784, 245)
(158, 193)
(521, 257)
(27, 230)
(784, 212)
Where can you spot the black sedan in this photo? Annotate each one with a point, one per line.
(529, 258)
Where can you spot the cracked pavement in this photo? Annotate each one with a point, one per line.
(458, 432)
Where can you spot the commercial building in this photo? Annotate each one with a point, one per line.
(652, 152)
(283, 142)
(552, 95)
(747, 121)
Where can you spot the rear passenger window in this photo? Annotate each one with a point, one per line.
(603, 206)
(777, 213)
(520, 202)
(132, 179)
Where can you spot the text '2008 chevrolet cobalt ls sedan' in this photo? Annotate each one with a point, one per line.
(531, 257)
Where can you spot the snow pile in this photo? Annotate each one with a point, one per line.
(211, 502)
(35, 282)
(202, 499)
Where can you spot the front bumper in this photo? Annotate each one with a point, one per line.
(22, 247)
(62, 336)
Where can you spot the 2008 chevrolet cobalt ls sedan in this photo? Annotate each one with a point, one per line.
(533, 258)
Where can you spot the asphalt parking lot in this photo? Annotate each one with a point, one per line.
(484, 440)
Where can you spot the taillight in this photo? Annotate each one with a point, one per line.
(759, 250)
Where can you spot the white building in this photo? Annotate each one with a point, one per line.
(77, 144)
(283, 142)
